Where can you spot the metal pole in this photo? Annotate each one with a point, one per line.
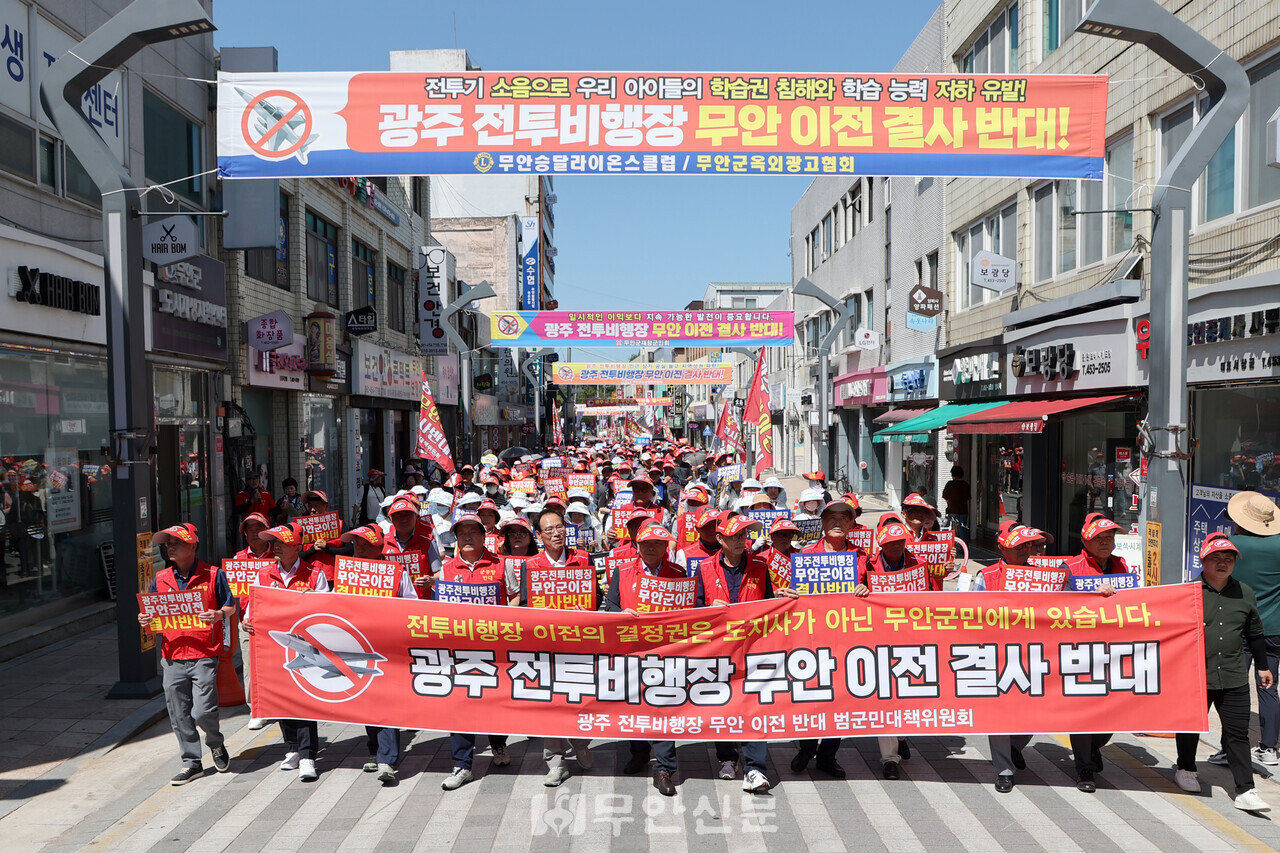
(1167, 440)
(805, 287)
(480, 291)
(129, 384)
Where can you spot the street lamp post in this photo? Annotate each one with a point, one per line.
(1166, 436)
(129, 386)
(805, 287)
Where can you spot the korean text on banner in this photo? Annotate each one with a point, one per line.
(411, 560)
(172, 612)
(627, 373)
(914, 579)
(321, 527)
(563, 588)
(824, 572)
(333, 124)
(816, 666)
(365, 577)
(1034, 579)
(657, 595)
(432, 443)
(242, 574)
(642, 328)
(468, 593)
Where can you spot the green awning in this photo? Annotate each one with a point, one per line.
(918, 428)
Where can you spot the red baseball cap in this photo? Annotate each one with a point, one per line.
(517, 521)
(705, 515)
(182, 532)
(1019, 535)
(852, 500)
(1095, 524)
(917, 500)
(289, 534)
(783, 525)
(256, 517)
(838, 505)
(468, 518)
(642, 480)
(894, 531)
(639, 515)
(815, 475)
(370, 533)
(1215, 542)
(654, 533)
(321, 495)
(402, 505)
(732, 525)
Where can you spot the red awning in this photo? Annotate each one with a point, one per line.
(902, 413)
(1024, 416)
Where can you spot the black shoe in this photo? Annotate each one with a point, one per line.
(662, 781)
(1018, 761)
(186, 775)
(799, 763)
(221, 760)
(1004, 783)
(1085, 782)
(1095, 758)
(831, 767)
(891, 770)
(639, 761)
(904, 751)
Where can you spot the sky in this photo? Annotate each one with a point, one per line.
(623, 242)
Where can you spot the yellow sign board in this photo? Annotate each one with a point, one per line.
(1151, 562)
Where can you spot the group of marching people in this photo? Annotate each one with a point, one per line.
(676, 519)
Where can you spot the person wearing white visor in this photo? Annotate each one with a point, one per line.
(777, 493)
(590, 533)
(439, 506)
(810, 505)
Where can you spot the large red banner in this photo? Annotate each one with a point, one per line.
(432, 443)
(817, 666)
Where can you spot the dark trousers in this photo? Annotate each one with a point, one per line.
(754, 753)
(1233, 710)
(463, 747)
(1083, 748)
(301, 736)
(825, 749)
(1268, 698)
(384, 743)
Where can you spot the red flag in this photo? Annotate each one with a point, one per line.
(432, 442)
(728, 430)
(757, 412)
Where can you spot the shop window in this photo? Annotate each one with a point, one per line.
(322, 260)
(1239, 431)
(1060, 19)
(172, 148)
(17, 148)
(1262, 182)
(995, 233)
(395, 298)
(1214, 194)
(995, 50)
(320, 446)
(79, 185)
(363, 278)
(272, 265)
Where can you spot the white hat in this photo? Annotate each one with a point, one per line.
(518, 500)
(440, 496)
(579, 493)
(387, 501)
(750, 483)
(533, 508)
(577, 507)
(615, 461)
(419, 490)
(742, 504)
(773, 483)
(810, 495)
(469, 498)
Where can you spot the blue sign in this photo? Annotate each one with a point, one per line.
(921, 323)
(468, 593)
(1090, 583)
(825, 572)
(529, 277)
(1207, 513)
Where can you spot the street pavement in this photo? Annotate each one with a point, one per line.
(80, 773)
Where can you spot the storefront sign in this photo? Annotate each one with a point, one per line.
(642, 328)
(339, 383)
(381, 372)
(972, 374)
(269, 331)
(447, 380)
(170, 240)
(322, 344)
(435, 272)
(660, 122)
(1232, 334)
(284, 367)
(992, 272)
(866, 339)
(361, 321)
(364, 190)
(862, 388)
(190, 308)
(58, 291)
(925, 301)
(485, 410)
(530, 280)
(1076, 354)
(914, 380)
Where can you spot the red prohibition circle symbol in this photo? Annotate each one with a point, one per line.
(508, 325)
(260, 145)
(321, 630)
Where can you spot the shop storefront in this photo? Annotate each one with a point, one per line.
(259, 433)
(990, 464)
(56, 489)
(860, 397)
(1076, 405)
(386, 387)
(911, 466)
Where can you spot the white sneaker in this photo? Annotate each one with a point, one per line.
(1262, 755)
(307, 770)
(386, 774)
(755, 782)
(582, 752)
(728, 769)
(1188, 780)
(556, 776)
(1249, 801)
(290, 761)
(455, 780)
(501, 758)
(256, 724)
(1219, 758)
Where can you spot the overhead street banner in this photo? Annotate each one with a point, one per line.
(625, 373)
(817, 666)
(642, 328)
(334, 124)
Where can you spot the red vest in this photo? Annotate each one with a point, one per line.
(572, 557)
(1083, 564)
(307, 577)
(246, 553)
(699, 551)
(195, 643)
(755, 578)
(490, 568)
(629, 580)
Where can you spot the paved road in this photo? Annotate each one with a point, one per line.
(945, 800)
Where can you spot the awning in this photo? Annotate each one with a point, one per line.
(918, 428)
(900, 414)
(1024, 416)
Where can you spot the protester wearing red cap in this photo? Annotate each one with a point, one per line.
(693, 499)
(291, 571)
(1096, 558)
(410, 533)
(1231, 621)
(690, 556)
(837, 520)
(257, 547)
(189, 658)
(252, 498)
(732, 576)
(642, 493)
(818, 480)
(652, 542)
(476, 565)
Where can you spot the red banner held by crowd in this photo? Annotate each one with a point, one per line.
(320, 527)
(563, 587)
(172, 612)
(432, 443)
(817, 666)
(365, 577)
(757, 412)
